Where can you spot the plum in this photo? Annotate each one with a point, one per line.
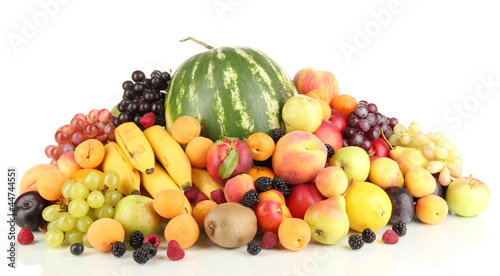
(403, 207)
(28, 209)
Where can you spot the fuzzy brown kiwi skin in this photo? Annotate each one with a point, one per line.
(231, 225)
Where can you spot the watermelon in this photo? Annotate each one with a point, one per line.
(231, 91)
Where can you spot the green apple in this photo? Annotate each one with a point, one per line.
(467, 196)
(354, 161)
(302, 112)
(136, 212)
(328, 220)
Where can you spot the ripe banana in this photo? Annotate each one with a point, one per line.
(136, 147)
(160, 180)
(204, 182)
(115, 159)
(171, 155)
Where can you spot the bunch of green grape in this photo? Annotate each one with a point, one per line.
(84, 203)
(444, 158)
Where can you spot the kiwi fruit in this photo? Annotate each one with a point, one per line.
(231, 225)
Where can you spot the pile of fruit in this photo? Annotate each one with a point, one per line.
(232, 146)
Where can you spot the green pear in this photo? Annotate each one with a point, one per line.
(302, 112)
(328, 220)
(407, 158)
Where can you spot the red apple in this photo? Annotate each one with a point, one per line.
(225, 152)
(301, 197)
(309, 79)
(380, 147)
(328, 133)
(271, 211)
(338, 119)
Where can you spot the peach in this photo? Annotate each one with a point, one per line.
(30, 177)
(420, 182)
(298, 157)
(237, 187)
(104, 232)
(431, 209)
(67, 163)
(328, 133)
(89, 154)
(331, 181)
(384, 172)
(309, 79)
(271, 210)
(294, 234)
(50, 183)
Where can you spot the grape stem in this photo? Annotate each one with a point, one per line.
(385, 139)
(197, 41)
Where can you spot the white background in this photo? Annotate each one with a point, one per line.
(434, 62)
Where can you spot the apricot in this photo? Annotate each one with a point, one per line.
(104, 232)
(294, 233)
(196, 151)
(169, 203)
(89, 154)
(431, 209)
(201, 210)
(50, 183)
(185, 128)
(30, 177)
(344, 103)
(261, 146)
(184, 229)
(261, 171)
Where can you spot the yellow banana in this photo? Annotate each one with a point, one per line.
(160, 180)
(204, 182)
(136, 147)
(171, 155)
(115, 159)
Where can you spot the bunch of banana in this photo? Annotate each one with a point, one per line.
(115, 159)
(136, 147)
(171, 155)
(204, 182)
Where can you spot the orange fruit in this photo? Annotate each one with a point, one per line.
(258, 171)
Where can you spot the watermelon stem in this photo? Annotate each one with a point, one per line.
(197, 41)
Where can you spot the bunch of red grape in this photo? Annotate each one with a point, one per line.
(98, 124)
(365, 124)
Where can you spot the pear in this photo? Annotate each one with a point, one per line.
(328, 220)
(302, 112)
(408, 158)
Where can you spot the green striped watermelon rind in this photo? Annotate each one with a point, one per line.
(231, 91)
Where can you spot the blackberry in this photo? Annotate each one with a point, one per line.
(399, 228)
(368, 235)
(253, 247)
(136, 239)
(276, 134)
(118, 249)
(280, 185)
(150, 248)
(141, 256)
(330, 150)
(356, 241)
(263, 184)
(250, 198)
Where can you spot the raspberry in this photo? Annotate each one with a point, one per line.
(276, 134)
(253, 247)
(390, 237)
(218, 196)
(118, 249)
(330, 151)
(25, 236)
(191, 194)
(200, 197)
(368, 235)
(150, 248)
(356, 241)
(280, 185)
(399, 228)
(153, 239)
(270, 240)
(174, 251)
(141, 255)
(136, 239)
(263, 184)
(250, 198)
(148, 120)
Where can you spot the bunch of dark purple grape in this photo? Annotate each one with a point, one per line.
(365, 124)
(142, 95)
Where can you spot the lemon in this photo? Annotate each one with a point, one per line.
(367, 206)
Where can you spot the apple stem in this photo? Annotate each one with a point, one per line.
(470, 180)
(385, 139)
(197, 41)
